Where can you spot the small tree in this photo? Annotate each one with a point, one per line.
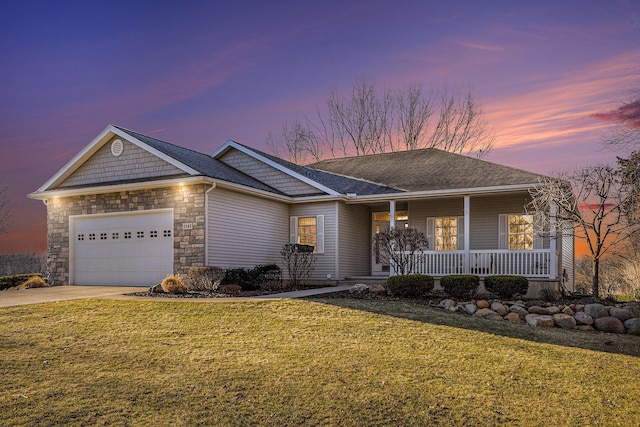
(398, 247)
(299, 260)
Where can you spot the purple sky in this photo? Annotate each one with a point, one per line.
(199, 73)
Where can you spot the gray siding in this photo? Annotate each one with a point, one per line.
(244, 231)
(133, 163)
(267, 174)
(354, 240)
(420, 210)
(325, 262)
(484, 217)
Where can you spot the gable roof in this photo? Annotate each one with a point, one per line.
(427, 169)
(204, 165)
(332, 183)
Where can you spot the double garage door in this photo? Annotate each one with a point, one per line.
(132, 249)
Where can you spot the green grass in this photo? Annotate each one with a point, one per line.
(294, 362)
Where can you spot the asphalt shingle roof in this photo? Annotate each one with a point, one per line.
(427, 169)
(204, 164)
(331, 179)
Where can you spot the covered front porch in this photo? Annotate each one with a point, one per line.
(481, 234)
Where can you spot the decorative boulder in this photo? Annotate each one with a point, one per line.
(485, 312)
(447, 304)
(585, 328)
(539, 310)
(359, 288)
(513, 318)
(568, 310)
(539, 320)
(621, 313)
(521, 311)
(583, 318)
(482, 304)
(632, 326)
(596, 310)
(499, 308)
(564, 321)
(609, 324)
(553, 310)
(470, 308)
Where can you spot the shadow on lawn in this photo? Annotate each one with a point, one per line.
(413, 310)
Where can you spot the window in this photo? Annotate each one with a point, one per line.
(520, 231)
(81, 237)
(140, 234)
(516, 232)
(308, 230)
(153, 233)
(115, 235)
(445, 233)
(103, 236)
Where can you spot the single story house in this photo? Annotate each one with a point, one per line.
(130, 209)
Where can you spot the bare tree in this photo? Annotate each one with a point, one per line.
(629, 170)
(398, 246)
(414, 111)
(592, 199)
(626, 132)
(295, 143)
(367, 122)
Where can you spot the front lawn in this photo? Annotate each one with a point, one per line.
(295, 362)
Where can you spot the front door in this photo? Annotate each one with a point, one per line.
(380, 223)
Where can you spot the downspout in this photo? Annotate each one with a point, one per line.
(206, 223)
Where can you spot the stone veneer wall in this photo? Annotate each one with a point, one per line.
(188, 205)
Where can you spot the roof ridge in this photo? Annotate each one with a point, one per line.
(160, 140)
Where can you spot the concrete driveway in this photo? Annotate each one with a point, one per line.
(11, 297)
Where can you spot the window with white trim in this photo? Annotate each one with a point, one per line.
(445, 233)
(308, 230)
(516, 232)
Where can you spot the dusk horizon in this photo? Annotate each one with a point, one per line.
(549, 77)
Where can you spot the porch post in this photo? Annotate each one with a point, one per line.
(467, 226)
(392, 214)
(392, 225)
(552, 242)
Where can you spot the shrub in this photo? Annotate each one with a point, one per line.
(299, 261)
(265, 273)
(7, 282)
(33, 282)
(460, 286)
(174, 285)
(230, 289)
(506, 286)
(240, 277)
(205, 278)
(274, 285)
(410, 285)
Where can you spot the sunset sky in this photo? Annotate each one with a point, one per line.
(199, 73)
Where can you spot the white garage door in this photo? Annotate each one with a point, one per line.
(122, 249)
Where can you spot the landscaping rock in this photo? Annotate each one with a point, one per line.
(564, 321)
(596, 310)
(447, 304)
(470, 308)
(583, 318)
(156, 289)
(552, 309)
(359, 288)
(539, 320)
(585, 328)
(534, 303)
(494, 316)
(513, 317)
(609, 324)
(521, 311)
(377, 289)
(484, 312)
(482, 304)
(634, 308)
(568, 310)
(539, 310)
(578, 307)
(632, 326)
(620, 313)
(499, 308)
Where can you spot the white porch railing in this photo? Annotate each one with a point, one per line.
(532, 263)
